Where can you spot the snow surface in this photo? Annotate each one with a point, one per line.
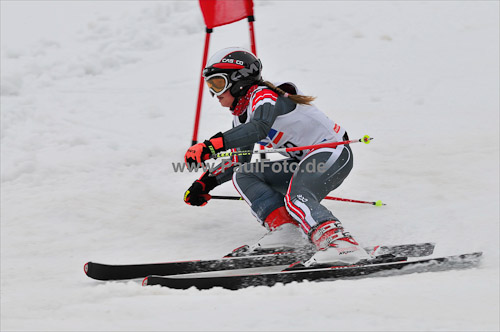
(98, 99)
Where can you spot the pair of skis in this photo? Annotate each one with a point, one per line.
(235, 272)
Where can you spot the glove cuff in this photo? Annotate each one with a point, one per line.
(208, 182)
(216, 143)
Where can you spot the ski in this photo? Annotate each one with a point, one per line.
(226, 280)
(232, 261)
(122, 272)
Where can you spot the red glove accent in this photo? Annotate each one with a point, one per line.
(198, 153)
(218, 143)
(197, 194)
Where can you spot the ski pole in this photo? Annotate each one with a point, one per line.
(365, 139)
(376, 203)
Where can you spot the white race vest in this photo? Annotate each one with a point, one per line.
(305, 125)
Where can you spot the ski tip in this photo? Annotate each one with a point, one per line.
(477, 254)
(86, 268)
(379, 203)
(145, 281)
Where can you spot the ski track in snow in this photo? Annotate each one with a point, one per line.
(96, 106)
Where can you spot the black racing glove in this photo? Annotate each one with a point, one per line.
(197, 194)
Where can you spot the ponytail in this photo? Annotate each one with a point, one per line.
(298, 99)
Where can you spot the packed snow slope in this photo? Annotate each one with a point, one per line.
(97, 103)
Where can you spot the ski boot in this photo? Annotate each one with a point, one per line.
(336, 247)
(284, 235)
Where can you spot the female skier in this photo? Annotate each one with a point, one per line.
(283, 195)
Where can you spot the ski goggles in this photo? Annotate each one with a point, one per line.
(217, 84)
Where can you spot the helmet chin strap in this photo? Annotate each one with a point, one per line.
(235, 102)
(238, 91)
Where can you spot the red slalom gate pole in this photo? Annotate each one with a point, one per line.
(200, 89)
(253, 46)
